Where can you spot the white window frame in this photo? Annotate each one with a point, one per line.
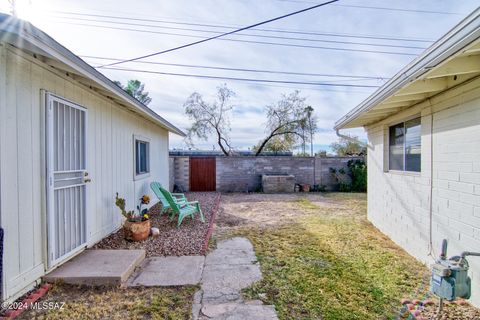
(387, 151)
(147, 141)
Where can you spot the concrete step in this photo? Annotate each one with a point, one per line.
(98, 267)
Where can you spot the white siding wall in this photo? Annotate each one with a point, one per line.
(399, 203)
(110, 163)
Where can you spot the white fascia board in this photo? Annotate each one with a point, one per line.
(466, 32)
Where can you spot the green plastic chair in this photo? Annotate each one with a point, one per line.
(187, 209)
(177, 197)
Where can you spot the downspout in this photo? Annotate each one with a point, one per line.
(430, 209)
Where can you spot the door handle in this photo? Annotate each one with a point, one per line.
(87, 180)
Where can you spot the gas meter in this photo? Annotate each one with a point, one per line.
(450, 278)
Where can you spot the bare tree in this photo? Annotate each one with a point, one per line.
(287, 118)
(211, 118)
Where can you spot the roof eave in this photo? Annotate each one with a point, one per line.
(466, 32)
(41, 40)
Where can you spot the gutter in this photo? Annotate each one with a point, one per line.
(467, 31)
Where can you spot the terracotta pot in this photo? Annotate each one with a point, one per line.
(136, 231)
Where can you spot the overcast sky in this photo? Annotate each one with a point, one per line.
(417, 20)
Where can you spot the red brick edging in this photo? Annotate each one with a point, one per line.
(212, 223)
(27, 302)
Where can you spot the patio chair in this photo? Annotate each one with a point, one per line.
(177, 197)
(182, 209)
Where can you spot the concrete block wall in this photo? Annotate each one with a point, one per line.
(399, 202)
(239, 174)
(171, 173)
(244, 173)
(181, 169)
(324, 177)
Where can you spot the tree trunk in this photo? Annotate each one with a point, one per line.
(311, 144)
(263, 145)
(219, 141)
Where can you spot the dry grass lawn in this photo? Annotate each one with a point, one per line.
(116, 303)
(322, 259)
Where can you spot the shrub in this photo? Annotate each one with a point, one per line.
(358, 172)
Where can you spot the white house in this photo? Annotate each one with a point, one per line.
(423, 129)
(69, 140)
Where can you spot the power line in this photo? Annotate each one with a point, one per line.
(223, 34)
(380, 8)
(326, 84)
(304, 32)
(252, 35)
(235, 40)
(244, 69)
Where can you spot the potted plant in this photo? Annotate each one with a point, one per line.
(137, 225)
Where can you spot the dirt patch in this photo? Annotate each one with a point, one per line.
(80, 302)
(189, 239)
(258, 209)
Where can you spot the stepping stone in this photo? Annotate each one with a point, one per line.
(235, 277)
(235, 257)
(239, 311)
(98, 267)
(236, 243)
(168, 271)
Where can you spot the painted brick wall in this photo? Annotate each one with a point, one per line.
(399, 203)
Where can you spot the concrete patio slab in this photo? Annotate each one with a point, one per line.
(98, 267)
(168, 271)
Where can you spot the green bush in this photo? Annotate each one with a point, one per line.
(358, 172)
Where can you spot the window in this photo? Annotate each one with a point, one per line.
(142, 157)
(405, 146)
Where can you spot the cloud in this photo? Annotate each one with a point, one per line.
(330, 103)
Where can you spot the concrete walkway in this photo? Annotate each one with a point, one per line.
(223, 273)
(228, 269)
(168, 271)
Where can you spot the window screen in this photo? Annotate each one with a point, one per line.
(405, 146)
(141, 157)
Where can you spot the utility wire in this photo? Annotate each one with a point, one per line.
(379, 8)
(250, 34)
(223, 34)
(232, 40)
(316, 33)
(313, 83)
(244, 69)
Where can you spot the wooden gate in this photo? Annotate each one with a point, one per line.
(202, 174)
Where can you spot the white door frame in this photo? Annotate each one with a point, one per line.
(50, 181)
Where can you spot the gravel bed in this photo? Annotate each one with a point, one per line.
(451, 311)
(189, 239)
